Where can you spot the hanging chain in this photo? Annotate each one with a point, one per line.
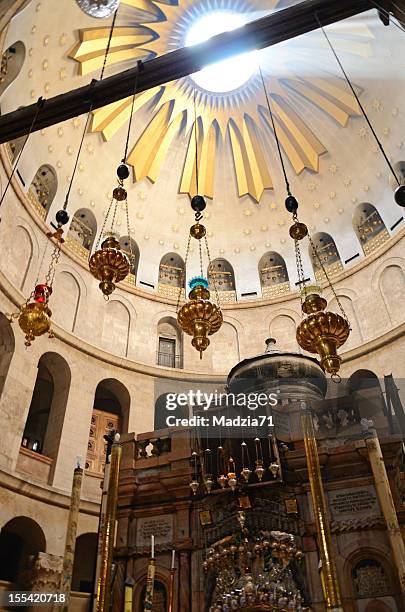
(183, 275)
(50, 276)
(195, 140)
(138, 70)
(40, 104)
(331, 287)
(131, 254)
(358, 100)
(102, 231)
(209, 268)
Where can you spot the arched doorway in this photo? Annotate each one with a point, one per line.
(84, 563)
(169, 343)
(46, 413)
(365, 389)
(110, 413)
(20, 539)
(159, 602)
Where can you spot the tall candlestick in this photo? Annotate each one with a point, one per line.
(152, 554)
(173, 558)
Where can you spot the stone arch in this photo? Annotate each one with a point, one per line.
(83, 229)
(20, 257)
(7, 346)
(365, 389)
(283, 329)
(65, 300)
(172, 276)
(162, 412)
(125, 241)
(369, 575)
(356, 336)
(369, 227)
(326, 249)
(12, 61)
(43, 188)
(169, 343)
(273, 275)
(84, 562)
(20, 538)
(391, 283)
(116, 328)
(111, 407)
(225, 348)
(221, 277)
(43, 426)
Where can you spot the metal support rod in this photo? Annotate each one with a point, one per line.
(384, 494)
(70, 542)
(171, 589)
(108, 530)
(329, 578)
(269, 30)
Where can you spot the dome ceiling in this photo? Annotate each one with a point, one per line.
(332, 161)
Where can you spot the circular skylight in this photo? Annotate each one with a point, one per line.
(228, 74)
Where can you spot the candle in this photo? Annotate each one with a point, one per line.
(173, 558)
(152, 546)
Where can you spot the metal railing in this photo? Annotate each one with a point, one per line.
(168, 360)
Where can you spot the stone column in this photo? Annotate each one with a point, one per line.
(384, 494)
(70, 542)
(330, 583)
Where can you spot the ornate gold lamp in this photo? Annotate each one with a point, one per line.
(34, 316)
(321, 332)
(199, 317)
(109, 264)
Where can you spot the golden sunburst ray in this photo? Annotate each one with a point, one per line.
(292, 77)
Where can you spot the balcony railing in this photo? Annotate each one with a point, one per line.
(168, 360)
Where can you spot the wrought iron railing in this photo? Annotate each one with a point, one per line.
(168, 360)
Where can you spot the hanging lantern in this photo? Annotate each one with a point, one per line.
(274, 468)
(322, 332)
(109, 265)
(194, 486)
(35, 316)
(199, 317)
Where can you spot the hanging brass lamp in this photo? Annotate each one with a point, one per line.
(35, 316)
(109, 265)
(321, 332)
(199, 317)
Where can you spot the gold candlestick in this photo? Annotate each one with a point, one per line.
(108, 530)
(330, 583)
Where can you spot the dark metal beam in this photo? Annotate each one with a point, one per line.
(264, 32)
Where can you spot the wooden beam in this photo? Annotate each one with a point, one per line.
(270, 30)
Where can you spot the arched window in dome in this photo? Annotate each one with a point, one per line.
(328, 254)
(273, 275)
(12, 61)
(399, 168)
(84, 563)
(14, 147)
(170, 343)
(369, 227)
(43, 189)
(82, 232)
(110, 414)
(43, 426)
(125, 246)
(172, 276)
(221, 278)
(21, 539)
